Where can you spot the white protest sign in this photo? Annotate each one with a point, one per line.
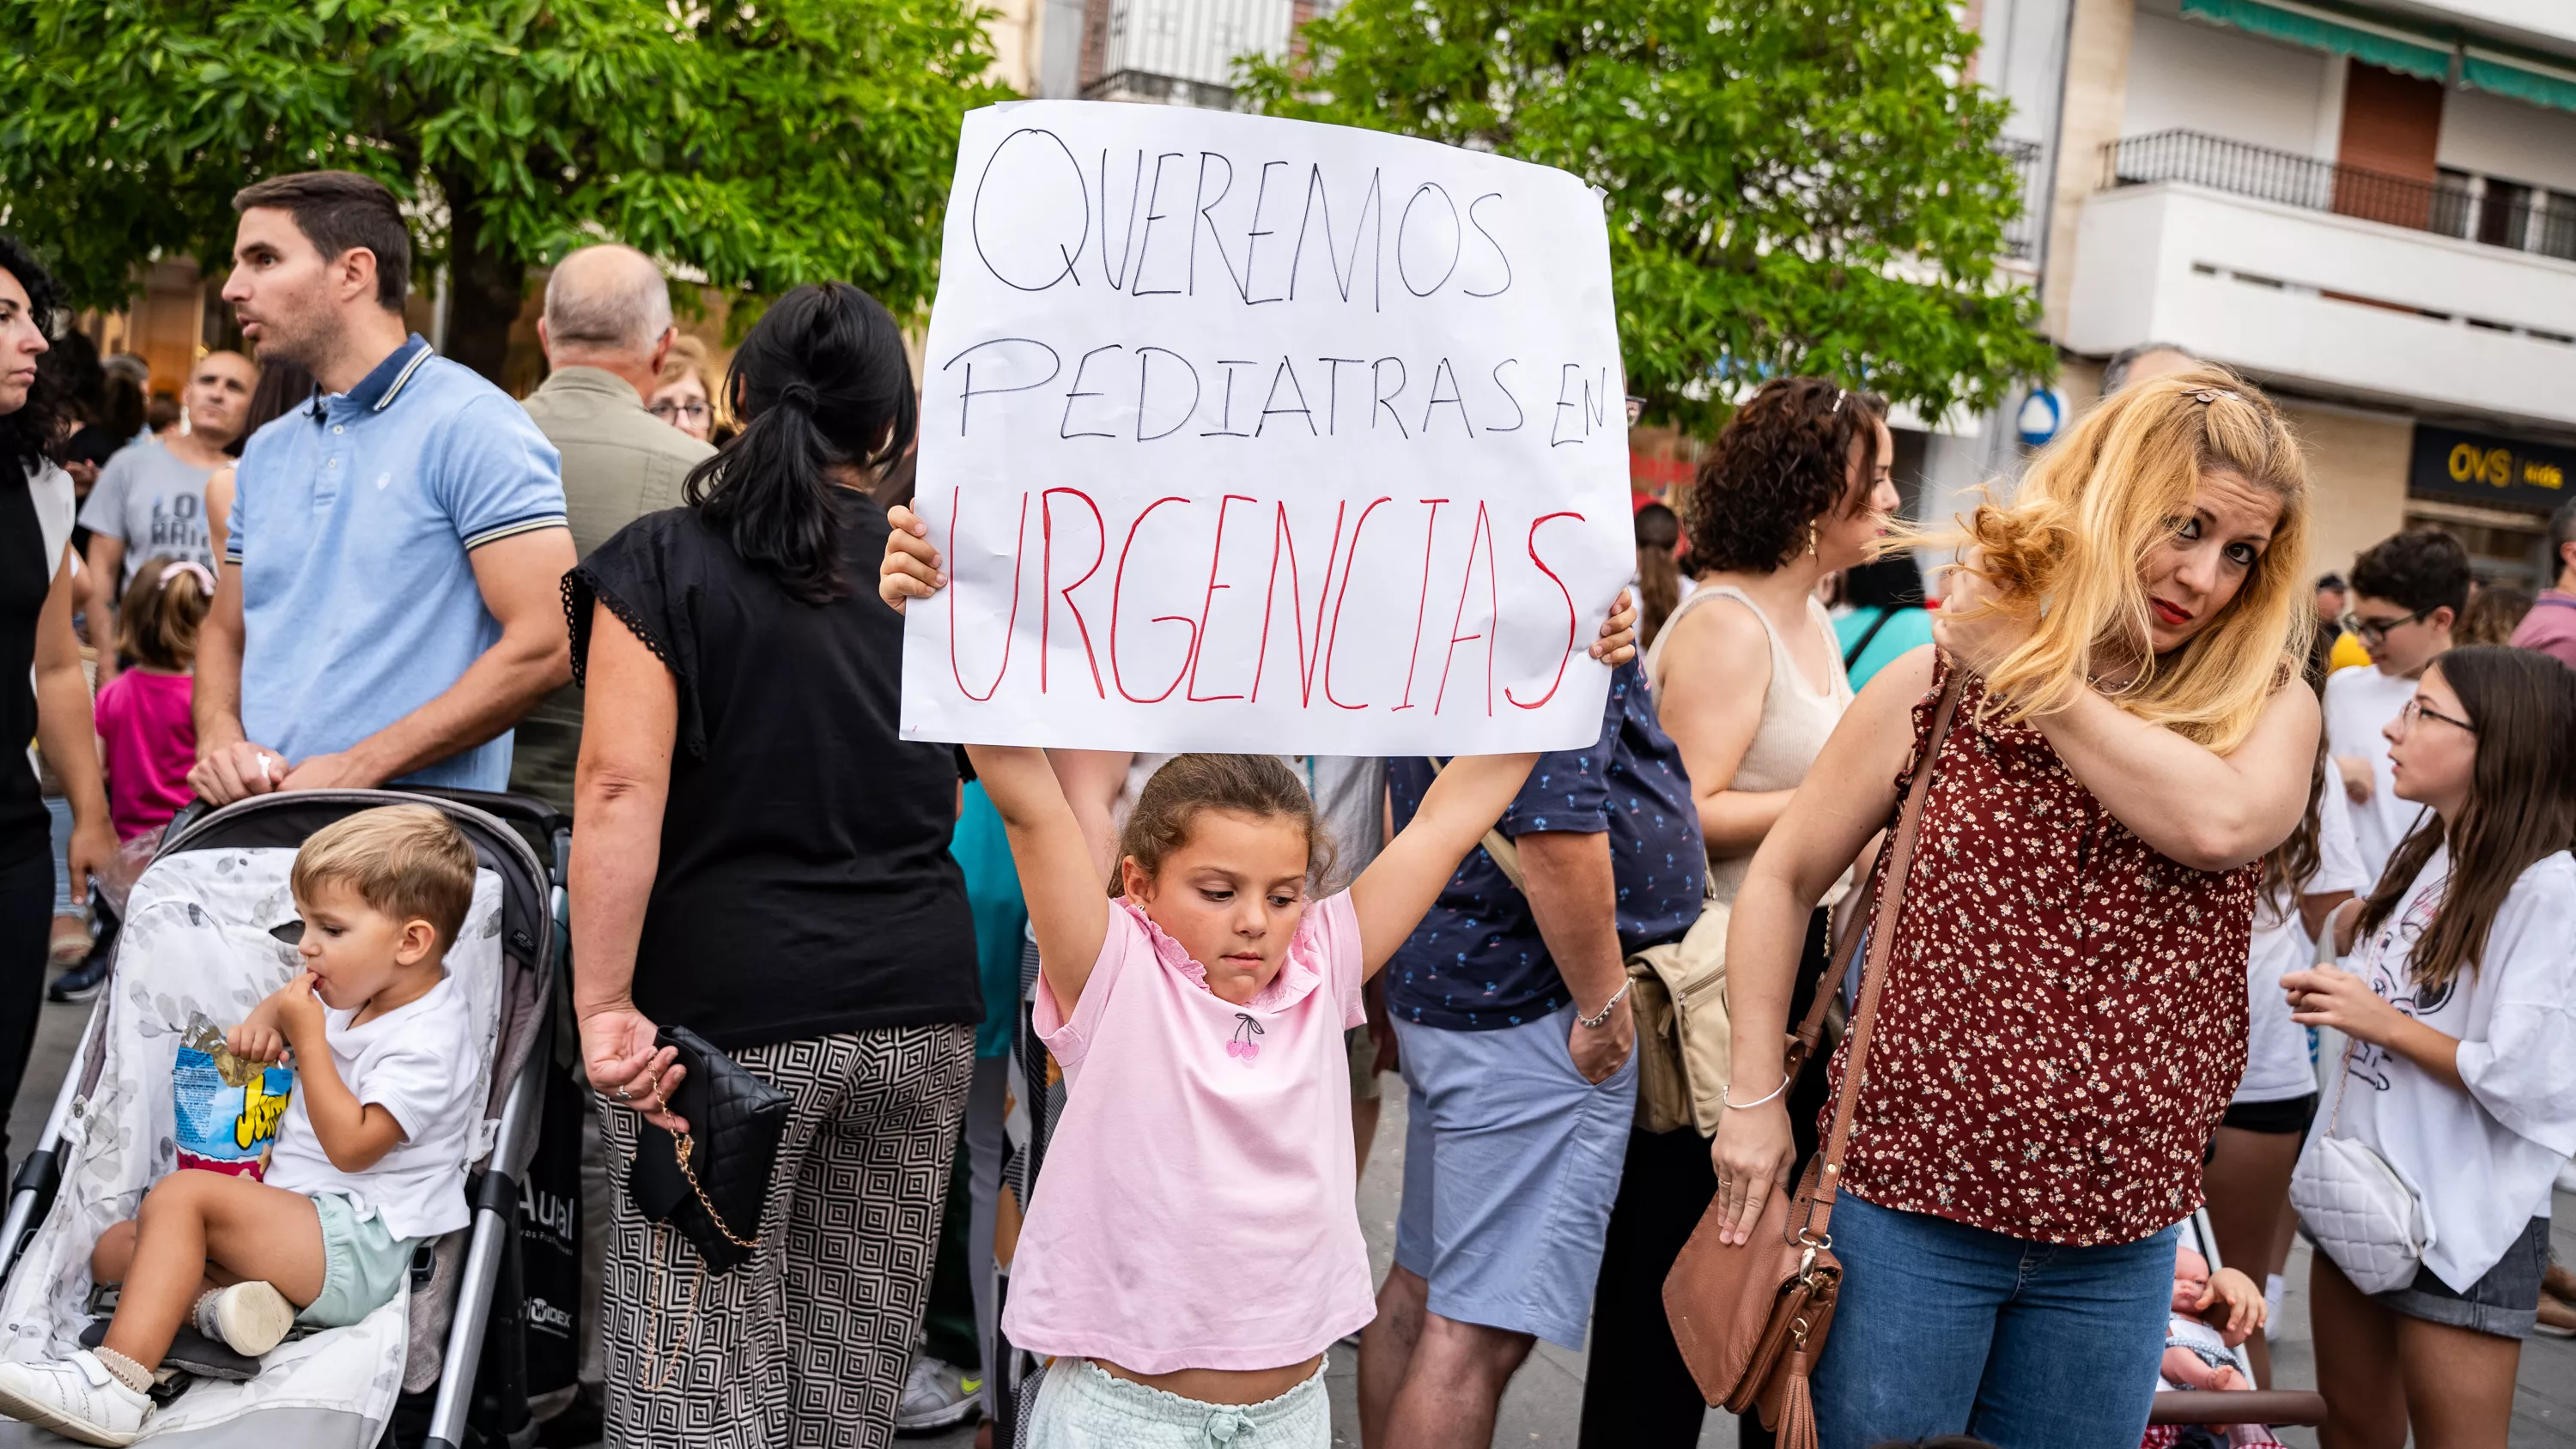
(1248, 434)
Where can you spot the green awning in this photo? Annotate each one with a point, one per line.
(2343, 32)
(2395, 44)
(2525, 80)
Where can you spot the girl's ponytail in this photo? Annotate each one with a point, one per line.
(2522, 804)
(820, 383)
(156, 621)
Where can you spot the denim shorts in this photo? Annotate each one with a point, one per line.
(362, 1265)
(2504, 1302)
(1081, 1406)
(1511, 1162)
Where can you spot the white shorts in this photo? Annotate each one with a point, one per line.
(1081, 1406)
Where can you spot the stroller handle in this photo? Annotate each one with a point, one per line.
(512, 809)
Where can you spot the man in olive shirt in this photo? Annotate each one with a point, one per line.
(606, 329)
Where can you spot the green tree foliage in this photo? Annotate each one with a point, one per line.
(1792, 185)
(789, 142)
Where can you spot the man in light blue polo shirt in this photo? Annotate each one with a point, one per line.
(390, 603)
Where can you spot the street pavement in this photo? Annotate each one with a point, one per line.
(1545, 1399)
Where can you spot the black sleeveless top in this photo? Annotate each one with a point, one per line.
(805, 886)
(25, 577)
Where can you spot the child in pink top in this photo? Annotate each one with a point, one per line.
(1193, 1246)
(147, 737)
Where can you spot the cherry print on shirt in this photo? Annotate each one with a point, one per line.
(1243, 1048)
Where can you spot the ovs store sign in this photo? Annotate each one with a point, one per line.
(2484, 468)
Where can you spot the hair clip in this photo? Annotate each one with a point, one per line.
(204, 576)
(2213, 394)
(1839, 395)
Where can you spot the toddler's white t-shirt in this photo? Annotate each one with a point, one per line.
(418, 1063)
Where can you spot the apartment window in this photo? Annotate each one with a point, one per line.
(2504, 213)
(2556, 226)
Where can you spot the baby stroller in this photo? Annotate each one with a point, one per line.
(198, 938)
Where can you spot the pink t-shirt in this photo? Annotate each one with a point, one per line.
(2550, 627)
(1196, 1210)
(150, 741)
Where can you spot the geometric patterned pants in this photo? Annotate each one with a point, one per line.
(806, 1345)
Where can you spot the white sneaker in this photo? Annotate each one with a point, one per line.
(75, 1397)
(937, 1395)
(250, 1318)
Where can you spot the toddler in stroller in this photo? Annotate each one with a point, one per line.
(369, 1158)
(2213, 1312)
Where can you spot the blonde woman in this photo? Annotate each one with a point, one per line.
(2064, 1016)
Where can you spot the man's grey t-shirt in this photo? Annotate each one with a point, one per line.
(155, 502)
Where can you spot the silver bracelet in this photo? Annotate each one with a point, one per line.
(1603, 1015)
(1725, 1095)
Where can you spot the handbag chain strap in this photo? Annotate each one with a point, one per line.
(684, 1147)
(1873, 980)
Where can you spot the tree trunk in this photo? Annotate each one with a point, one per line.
(485, 285)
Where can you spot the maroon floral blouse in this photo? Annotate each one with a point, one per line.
(2064, 1016)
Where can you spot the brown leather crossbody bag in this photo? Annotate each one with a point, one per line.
(1750, 1318)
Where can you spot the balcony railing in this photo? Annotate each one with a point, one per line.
(2520, 220)
(2022, 233)
(1184, 50)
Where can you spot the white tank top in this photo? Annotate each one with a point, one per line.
(1795, 719)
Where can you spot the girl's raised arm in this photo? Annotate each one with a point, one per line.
(1068, 904)
(1391, 896)
(1059, 876)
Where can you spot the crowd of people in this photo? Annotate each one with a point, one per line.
(2195, 891)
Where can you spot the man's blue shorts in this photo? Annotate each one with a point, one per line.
(1511, 1162)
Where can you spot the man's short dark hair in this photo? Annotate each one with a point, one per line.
(2562, 532)
(2423, 568)
(340, 211)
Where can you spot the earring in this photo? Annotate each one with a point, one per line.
(1811, 538)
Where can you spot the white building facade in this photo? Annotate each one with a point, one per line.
(2369, 210)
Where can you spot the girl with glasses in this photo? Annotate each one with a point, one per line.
(2462, 1068)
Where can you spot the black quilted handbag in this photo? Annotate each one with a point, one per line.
(711, 1182)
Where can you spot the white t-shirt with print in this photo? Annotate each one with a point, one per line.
(2485, 1159)
(2359, 704)
(418, 1063)
(2277, 1068)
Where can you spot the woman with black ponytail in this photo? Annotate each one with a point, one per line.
(760, 858)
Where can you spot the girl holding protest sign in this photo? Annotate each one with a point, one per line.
(1195, 1248)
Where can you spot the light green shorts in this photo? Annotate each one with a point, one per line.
(362, 1265)
(1082, 1406)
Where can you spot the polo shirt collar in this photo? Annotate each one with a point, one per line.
(377, 390)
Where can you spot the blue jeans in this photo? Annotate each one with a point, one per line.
(1948, 1329)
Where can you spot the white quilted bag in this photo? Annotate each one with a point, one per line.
(2358, 1207)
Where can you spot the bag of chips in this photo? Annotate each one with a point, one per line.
(227, 1108)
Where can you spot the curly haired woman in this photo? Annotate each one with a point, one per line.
(2063, 1017)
